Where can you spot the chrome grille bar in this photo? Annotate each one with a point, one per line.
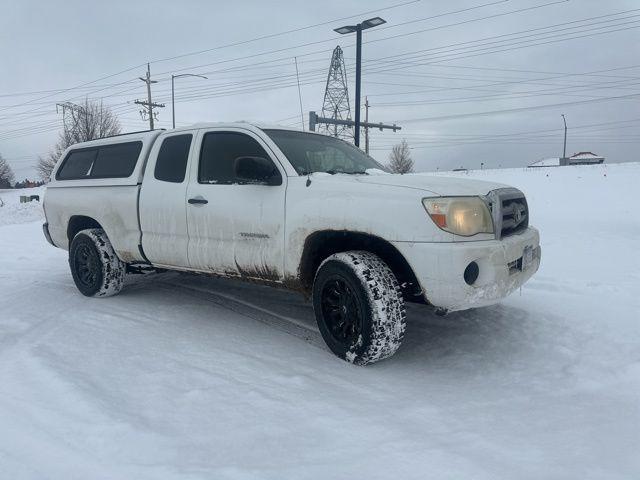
(509, 210)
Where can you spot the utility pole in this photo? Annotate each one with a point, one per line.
(315, 120)
(564, 150)
(149, 105)
(366, 129)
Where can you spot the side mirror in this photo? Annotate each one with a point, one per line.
(256, 170)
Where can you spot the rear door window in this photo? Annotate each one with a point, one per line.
(116, 160)
(172, 158)
(77, 164)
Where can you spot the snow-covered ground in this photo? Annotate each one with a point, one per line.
(188, 377)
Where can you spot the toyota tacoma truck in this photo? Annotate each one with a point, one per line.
(298, 210)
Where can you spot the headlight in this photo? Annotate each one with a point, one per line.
(464, 216)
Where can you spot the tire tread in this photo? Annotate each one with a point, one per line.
(388, 312)
(113, 269)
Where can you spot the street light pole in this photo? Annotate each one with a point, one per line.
(173, 101)
(372, 22)
(564, 150)
(356, 136)
(366, 129)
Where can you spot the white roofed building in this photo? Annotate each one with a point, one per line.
(585, 158)
(580, 158)
(546, 162)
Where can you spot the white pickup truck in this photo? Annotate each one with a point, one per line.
(300, 210)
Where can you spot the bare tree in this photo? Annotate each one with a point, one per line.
(45, 164)
(85, 122)
(400, 158)
(6, 174)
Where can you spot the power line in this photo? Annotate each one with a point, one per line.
(480, 88)
(520, 109)
(279, 84)
(374, 72)
(286, 32)
(243, 42)
(386, 38)
(592, 74)
(589, 128)
(86, 85)
(565, 91)
(278, 50)
(212, 49)
(75, 87)
(469, 45)
(465, 22)
(473, 139)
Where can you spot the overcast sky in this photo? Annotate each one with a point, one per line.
(460, 83)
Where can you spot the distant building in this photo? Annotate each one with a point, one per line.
(585, 158)
(547, 162)
(580, 158)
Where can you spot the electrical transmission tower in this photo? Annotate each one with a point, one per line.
(148, 105)
(336, 98)
(335, 119)
(71, 114)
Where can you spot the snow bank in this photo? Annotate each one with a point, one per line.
(12, 211)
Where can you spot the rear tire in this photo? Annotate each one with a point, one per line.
(359, 307)
(96, 269)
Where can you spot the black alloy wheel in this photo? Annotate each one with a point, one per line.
(87, 266)
(341, 311)
(95, 267)
(359, 307)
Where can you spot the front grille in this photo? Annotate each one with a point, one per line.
(509, 210)
(515, 266)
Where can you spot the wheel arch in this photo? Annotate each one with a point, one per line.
(78, 223)
(321, 244)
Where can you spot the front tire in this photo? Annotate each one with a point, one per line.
(96, 269)
(359, 307)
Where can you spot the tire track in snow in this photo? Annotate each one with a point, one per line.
(48, 323)
(283, 323)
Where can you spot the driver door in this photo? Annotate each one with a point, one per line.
(236, 228)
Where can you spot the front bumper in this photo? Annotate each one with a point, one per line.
(439, 268)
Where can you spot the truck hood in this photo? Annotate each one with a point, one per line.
(435, 185)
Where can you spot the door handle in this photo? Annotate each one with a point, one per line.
(198, 201)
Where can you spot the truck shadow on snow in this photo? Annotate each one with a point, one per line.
(494, 334)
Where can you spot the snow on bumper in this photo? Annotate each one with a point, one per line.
(440, 268)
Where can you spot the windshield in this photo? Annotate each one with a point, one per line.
(310, 152)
